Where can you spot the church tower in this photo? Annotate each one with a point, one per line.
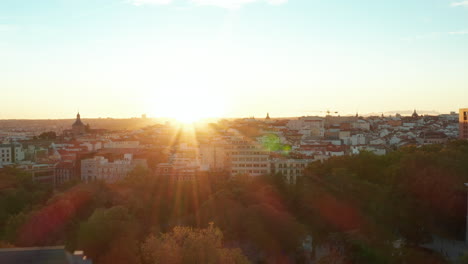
(78, 128)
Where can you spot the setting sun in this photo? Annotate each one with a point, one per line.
(189, 106)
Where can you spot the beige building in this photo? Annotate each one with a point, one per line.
(463, 123)
(99, 168)
(213, 156)
(246, 156)
(311, 126)
(291, 169)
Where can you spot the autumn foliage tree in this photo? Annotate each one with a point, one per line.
(189, 245)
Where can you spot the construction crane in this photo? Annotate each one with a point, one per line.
(328, 112)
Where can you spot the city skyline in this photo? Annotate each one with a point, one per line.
(403, 113)
(209, 58)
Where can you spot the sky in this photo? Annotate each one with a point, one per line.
(231, 58)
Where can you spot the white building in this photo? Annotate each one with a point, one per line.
(122, 144)
(11, 153)
(99, 168)
(358, 139)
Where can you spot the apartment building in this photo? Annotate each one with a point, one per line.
(100, 168)
(246, 156)
(291, 169)
(463, 123)
(11, 153)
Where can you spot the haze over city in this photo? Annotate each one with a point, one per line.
(234, 131)
(231, 58)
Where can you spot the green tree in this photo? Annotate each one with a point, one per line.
(51, 135)
(103, 228)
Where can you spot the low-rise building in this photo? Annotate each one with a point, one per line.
(100, 168)
(178, 171)
(213, 156)
(246, 156)
(11, 153)
(291, 169)
(64, 172)
(314, 125)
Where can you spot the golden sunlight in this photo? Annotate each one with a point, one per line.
(190, 106)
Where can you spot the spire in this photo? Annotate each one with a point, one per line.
(78, 120)
(268, 116)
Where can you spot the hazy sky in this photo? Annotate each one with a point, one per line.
(122, 58)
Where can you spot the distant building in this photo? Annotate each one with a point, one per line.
(100, 168)
(433, 137)
(463, 123)
(64, 172)
(178, 171)
(11, 153)
(78, 128)
(291, 169)
(213, 156)
(315, 125)
(121, 144)
(247, 157)
(43, 173)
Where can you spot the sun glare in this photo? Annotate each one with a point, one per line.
(190, 106)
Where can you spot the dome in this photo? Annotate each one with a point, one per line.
(78, 121)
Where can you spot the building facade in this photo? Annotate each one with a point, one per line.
(247, 157)
(64, 172)
(11, 153)
(213, 156)
(463, 123)
(78, 128)
(100, 168)
(314, 125)
(178, 171)
(291, 169)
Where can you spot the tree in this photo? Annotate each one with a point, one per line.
(105, 228)
(188, 245)
(51, 135)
